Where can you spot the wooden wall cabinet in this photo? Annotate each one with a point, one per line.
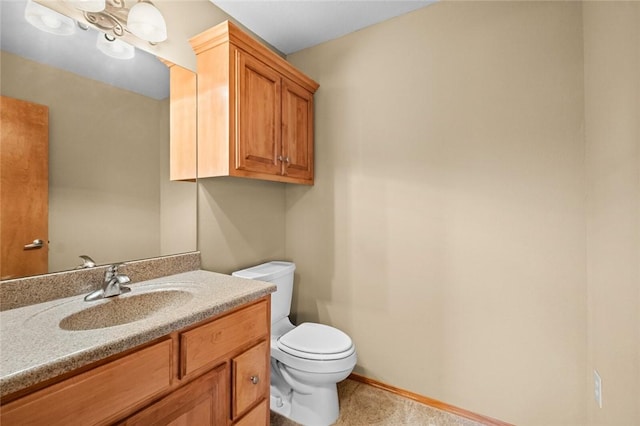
(255, 110)
(214, 373)
(182, 122)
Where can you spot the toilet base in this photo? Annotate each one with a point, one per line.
(321, 408)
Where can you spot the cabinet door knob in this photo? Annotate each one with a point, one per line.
(255, 379)
(280, 158)
(286, 160)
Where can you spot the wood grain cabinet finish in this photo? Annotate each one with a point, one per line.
(259, 139)
(255, 110)
(200, 376)
(201, 402)
(250, 378)
(182, 123)
(255, 416)
(204, 346)
(99, 395)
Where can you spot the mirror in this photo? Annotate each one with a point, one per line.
(109, 193)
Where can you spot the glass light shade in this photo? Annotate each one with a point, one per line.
(48, 20)
(116, 49)
(89, 5)
(146, 22)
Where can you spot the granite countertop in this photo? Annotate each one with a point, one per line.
(35, 348)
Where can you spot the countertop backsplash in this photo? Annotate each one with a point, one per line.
(42, 288)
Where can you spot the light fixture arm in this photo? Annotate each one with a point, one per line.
(142, 16)
(112, 19)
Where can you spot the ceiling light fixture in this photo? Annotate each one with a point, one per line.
(146, 22)
(89, 5)
(48, 20)
(114, 47)
(143, 20)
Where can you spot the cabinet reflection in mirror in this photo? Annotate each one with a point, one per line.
(108, 193)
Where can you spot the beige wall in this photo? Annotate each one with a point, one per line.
(241, 222)
(178, 204)
(446, 229)
(104, 166)
(612, 120)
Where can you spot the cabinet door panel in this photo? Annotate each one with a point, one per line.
(257, 416)
(201, 402)
(250, 377)
(297, 131)
(258, 116)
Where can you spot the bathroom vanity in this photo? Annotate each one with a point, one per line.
(199, 355)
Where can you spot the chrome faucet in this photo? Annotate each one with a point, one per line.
(112, 285)
(87, 262)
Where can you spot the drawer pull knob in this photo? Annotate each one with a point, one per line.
(255, 379)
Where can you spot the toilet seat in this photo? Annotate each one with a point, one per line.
(317, 342)
(314, 366)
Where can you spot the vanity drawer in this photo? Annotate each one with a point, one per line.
(99, 395)
(203, 346)
(250, 377)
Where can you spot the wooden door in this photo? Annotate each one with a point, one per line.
(297, 131)
(24, 188)
(202, 402)
(258, 116)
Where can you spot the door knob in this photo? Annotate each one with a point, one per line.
(255, 379)
(36, 244)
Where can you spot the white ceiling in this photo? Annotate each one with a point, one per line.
(287, 25)
(290, 26)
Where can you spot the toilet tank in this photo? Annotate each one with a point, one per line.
(279, 273)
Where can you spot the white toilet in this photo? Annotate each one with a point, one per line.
(306, 361)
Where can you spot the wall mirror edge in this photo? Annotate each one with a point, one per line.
(175, 201)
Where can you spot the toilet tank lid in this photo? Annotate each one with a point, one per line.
(266, 271)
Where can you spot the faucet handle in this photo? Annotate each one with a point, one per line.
(112, 285)
(112, 270)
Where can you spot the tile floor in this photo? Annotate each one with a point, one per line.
(364, 405)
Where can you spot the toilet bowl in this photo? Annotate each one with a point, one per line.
(308, 360)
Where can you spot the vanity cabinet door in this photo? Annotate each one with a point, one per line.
(202, 402)
(250, 378)
(257, 416)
